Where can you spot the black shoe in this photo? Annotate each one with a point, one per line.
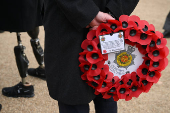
(19, 90)
(37, 72)
(166, 34)
(0, 107)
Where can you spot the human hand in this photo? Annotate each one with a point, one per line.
(100, 18)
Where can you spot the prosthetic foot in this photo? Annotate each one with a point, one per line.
(22, 89)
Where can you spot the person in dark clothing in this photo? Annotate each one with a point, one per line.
(66, 24)
(166, 27)
(23, 16)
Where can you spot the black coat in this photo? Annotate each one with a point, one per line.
(65, 22)
(20, 15)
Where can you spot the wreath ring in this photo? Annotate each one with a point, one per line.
(139, 33)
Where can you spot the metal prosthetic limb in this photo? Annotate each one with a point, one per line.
(21, 59)
(37, 49)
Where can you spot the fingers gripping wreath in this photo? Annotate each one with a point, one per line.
(138, 33)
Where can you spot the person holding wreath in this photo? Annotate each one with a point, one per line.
(66, 24)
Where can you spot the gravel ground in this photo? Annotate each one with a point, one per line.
(156, 101)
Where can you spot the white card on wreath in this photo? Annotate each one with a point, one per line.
(112, 42)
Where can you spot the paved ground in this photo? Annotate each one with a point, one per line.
(156, 101)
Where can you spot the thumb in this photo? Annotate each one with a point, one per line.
(94, 28)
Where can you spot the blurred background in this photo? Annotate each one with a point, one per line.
(156, 101)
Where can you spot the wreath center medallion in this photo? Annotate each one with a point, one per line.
(125, 61)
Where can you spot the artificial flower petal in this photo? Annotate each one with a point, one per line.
(158, 54)
(153, 76)
(91, 35)
(142, 71)
(94, 57)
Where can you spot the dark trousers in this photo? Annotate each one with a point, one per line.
(101, 106)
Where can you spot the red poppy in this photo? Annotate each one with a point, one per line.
(112, 91)
(115, 80)
(125, 79)
(160, 42)
(126, 23)
(109, 77)
(104, 87)
(121, 81)
(142, 71)
(107, 83)
(130, 78)
(94, 57)
(84, 67)
(144, 39)
(142, 48)
(147, 61)
(135, 90)
(103, 29)
(151, 46)
(108, 95)
(158, 54)
(96, 68)
(82, 57)
(153, 76)
(133, 35)
(122, 91)
(115, 25)
(91, 35)
(134, 18)
(92, 84)
(104, 51)
(159, 65)
(98, 77)
(88, 45)
(135, 77)
(147, 27)
(124, 18)
(159, 34)
(145, 85)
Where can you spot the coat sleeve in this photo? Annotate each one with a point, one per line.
(119, 7)
(79, 12)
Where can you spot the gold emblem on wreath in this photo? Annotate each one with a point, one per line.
(123, 59)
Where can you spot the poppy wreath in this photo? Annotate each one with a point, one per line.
(139, 33)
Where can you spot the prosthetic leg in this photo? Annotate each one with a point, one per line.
(21, 59)
(38, 53)
(22, 89)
